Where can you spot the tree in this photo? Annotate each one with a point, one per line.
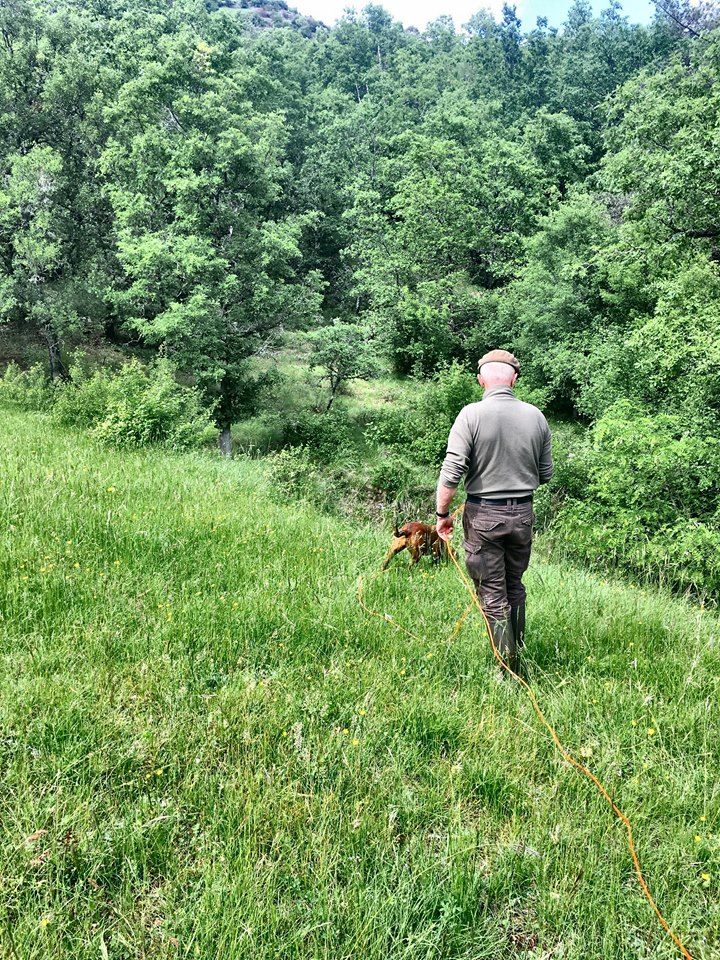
(211, 261)
(346, 352)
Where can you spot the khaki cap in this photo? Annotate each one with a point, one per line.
(500, 356)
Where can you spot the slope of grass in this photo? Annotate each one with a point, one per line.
(207, 750)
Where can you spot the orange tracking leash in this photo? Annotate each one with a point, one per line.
(467, 582)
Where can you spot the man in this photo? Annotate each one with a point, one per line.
(504, 447)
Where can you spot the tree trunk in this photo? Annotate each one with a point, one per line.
(225, 442)
(334, 387)
(58, 371)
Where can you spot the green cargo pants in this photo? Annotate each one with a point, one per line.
(498, 540)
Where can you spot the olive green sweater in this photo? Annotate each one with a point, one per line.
(502, 444)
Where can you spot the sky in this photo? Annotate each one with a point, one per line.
(417, 13)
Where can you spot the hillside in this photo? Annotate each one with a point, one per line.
(270, 13)
(209, 751)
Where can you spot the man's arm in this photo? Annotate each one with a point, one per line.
(455, 464)
(546, 460)
(443, 499)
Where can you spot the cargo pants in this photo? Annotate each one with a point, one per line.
(498, 539)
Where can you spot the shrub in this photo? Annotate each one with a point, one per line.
(26, 389)
(295, 472)
(438, 403)
(84, 400)
(324, 436)
(137, 406)
(641, 493)
(389, 427)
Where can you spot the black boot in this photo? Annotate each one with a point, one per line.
(504, 638)
(517, 616)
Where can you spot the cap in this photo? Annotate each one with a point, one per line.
(500, 356)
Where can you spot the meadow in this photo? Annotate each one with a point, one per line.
(208, 750)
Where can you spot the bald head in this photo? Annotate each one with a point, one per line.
(496, 374)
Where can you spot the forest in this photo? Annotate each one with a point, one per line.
(219, 223)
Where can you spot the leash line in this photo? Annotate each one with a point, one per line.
(566, 755)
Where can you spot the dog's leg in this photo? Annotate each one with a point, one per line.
(398, 544)
(415, 549)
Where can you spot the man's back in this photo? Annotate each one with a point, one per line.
(502, 445)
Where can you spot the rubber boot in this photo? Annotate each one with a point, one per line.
(517, 616)
(504, 638)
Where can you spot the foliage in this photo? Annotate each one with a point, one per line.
(346, 352)
(175, 178)
(644, 496)
(137, 406)
(25, 389)
(324, 437)
(438, 403)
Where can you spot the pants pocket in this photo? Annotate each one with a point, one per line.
(474, 560)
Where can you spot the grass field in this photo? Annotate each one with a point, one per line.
(208, 750)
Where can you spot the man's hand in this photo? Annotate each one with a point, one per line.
(443, 499)
(445, 527)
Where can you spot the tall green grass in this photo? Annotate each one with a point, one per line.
(207, 749)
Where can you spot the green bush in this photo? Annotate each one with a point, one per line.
(295, 473)
(26, 389)
(438, 403)
(84, 400)
(642, 493)
(389, 427)
(324, 436)
(137, 406)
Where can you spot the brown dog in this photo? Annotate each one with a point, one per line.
(420, 539)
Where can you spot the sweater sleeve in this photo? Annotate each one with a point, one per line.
(459, 449)
(546, 460)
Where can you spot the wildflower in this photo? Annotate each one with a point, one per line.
(402, 672)
(45, 921)
(159, 772)
(111, 489)
(362, 711)
(633, 723)
(345, 730)
(651, 731)
(586, 751)
(705, 877)
(428, 655)
(76, 566)
(356, 742)
(703, 818)
(698, 838)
